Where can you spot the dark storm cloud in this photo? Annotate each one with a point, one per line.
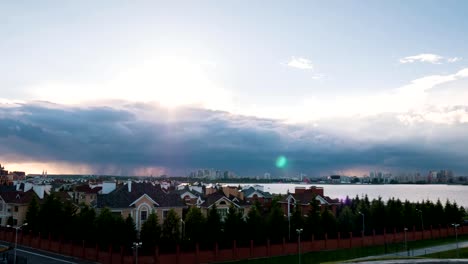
(132, 136)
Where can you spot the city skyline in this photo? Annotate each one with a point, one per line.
(165, 88)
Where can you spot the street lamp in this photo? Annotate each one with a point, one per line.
(455, 226)
(136, 245)
(299, 231)
(183, 228)
(16, 239)
(363, 226)
(406, 241)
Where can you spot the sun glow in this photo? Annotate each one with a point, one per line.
(171, 81)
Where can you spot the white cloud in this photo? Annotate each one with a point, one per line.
(454, 59)
(300, 63)
(423, 57)
(430, 58)
(415, 96)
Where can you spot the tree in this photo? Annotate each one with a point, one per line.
(346, 220)
(129, 232)
(233, 225)
(312, 221)
(150, 233)
(276, 224)
(377, 218)
(297, 221)
(213, 222)
(67, 218)
(106, 225)
(50, 216)
(328, 222)
(171, 227)
(32, 216)
(195, 225)
(85, 224)
(255, 225)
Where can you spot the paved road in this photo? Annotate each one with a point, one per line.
(43, 257)
(417, 252)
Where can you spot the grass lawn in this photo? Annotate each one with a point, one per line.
(352, 253)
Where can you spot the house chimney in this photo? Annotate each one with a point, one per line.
(129, 185)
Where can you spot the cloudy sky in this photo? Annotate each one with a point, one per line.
(152, 87)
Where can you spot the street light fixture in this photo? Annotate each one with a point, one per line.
(16, 239)
(136, 245)
(299, 231)
(455, 226)
(363, 226)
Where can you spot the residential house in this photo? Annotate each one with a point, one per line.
(139, 199)
(222, 203)
(14, 206)
(303, 198)
(84, 194)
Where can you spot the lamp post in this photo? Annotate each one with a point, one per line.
(16, 239)
(363, 226)
(183, 228)
(299, 231)
(136, 245)
(455, 226)
(406, 241)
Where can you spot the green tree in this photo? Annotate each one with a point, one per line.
(32, 216)
(233, 225)
(255, 225)
(277, 227)
(297, 221)
(150, 233)
(377, 218)
(171, 227)
(50, 216)
(346, 220)
(129, 232)
(85, 224)
(106, 226)
(328, 223)
(195, 224)
(312, 221)
(213, 222)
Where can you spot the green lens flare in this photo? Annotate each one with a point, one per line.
(281, 162)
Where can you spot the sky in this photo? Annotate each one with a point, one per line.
(167, 87)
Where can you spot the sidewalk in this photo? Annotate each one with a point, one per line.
(416, 252)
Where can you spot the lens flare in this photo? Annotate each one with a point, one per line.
(281, 162)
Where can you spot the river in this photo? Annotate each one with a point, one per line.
(411, 192)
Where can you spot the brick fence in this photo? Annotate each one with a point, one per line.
(217, 255)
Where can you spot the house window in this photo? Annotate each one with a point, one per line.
(222, 202)
(16, 208)
(15, 222)
(117, 213)
(144, 215)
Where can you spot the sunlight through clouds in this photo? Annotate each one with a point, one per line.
(300, 63)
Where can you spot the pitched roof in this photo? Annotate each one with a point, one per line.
(18, 197)
(122, 198)
(251, 190)
(86, 189)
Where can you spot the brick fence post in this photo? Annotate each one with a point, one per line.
(251, 248)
